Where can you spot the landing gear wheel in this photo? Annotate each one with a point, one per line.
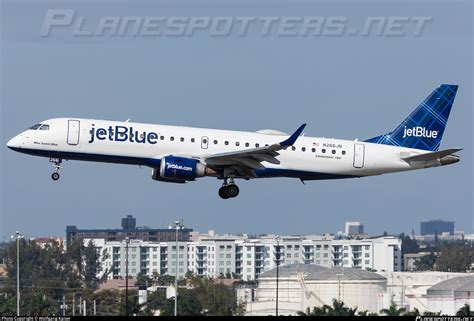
(57, 165)
(232, 190)
(223, 192)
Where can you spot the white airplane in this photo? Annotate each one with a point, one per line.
(181, 154)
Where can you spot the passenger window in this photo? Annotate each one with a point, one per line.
(266, 144)
(247, 144)
(293, 148)
(182, 139)
(44, 127)
(171, 138)
(237, 143)
(162, 137)
(192, 140)
(257, 145)
(313, 150)
(303, 149)
(226, 142)
(324, 151)
(343, 152)
(333, 151)
(215, 142)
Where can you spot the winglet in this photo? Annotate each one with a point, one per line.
(292, 139)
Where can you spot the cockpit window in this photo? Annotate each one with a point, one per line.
(40, 127)
(35, 127)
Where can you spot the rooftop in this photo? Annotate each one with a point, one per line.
(317, 272)
(459, 284)
(290, 270)
(342, 273)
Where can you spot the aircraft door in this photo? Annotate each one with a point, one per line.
(359, 154)
(204, 142)
(73, 132)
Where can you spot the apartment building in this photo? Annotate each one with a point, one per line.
(244, 257)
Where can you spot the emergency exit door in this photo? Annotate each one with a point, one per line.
(73, 132)
(359, 154)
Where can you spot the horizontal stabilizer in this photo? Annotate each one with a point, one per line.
(432, 156)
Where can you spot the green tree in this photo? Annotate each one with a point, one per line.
(188, 305)
(426, 263)
(409, 245)
(455, 258)
(143, 280)
(7, 304)
(366, 313)
(155, 301)
(431, 314)
(47, 274)
(108, 302)
(393, 311)
(465, 311)
(306, 313)
(92, 266)
(414, 312)
(215, 298)
(338, 308)
(133, 307)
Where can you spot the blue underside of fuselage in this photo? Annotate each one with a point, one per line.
(155, 163)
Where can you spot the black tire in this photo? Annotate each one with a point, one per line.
(233, 190)
(223, 192)
(55, 176)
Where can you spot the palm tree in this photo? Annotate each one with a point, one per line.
(338, 308)
(432, 314)
(415, 312)
(307, 313)
(465, 311)
(366, 313)
(393, 311)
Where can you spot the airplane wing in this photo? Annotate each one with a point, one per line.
(245, 161)
(432, 156)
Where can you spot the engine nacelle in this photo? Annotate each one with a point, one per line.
(179, 169)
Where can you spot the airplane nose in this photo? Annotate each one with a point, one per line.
(14, 143)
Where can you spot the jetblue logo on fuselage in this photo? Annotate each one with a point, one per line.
(123, 134)
(419, 132)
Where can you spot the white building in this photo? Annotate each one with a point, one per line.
(302, 286)
(451, 295)
(246, 258)
(143, 257)
(408, 289)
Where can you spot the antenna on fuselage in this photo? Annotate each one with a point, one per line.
(127, 120)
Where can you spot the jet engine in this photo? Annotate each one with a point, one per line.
(180, 169)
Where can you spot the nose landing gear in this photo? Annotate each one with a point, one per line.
(57, 165)
(228, 189)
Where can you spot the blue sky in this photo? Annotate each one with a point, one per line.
(344, 86)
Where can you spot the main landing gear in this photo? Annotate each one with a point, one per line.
(228, 189)
(57, 165)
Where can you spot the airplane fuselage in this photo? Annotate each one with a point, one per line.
(310, 158)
